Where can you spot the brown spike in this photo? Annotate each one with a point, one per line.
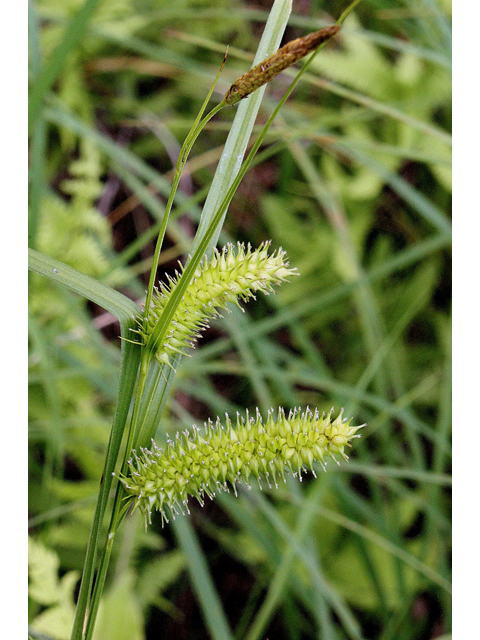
(277, 62)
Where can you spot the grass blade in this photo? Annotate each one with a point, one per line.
(116, 303)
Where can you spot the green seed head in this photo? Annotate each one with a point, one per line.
(198, 464)
(227, 277)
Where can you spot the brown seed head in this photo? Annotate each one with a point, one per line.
(277, 62)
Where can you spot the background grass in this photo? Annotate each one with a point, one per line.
(354, 183)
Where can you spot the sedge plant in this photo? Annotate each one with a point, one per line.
(198, 463)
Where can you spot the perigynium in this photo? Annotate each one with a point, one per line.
(198, 464)
(226, 277)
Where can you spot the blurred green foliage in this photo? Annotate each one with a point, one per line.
(355, 184)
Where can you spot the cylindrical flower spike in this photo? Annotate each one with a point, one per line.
(225, 278)
(277, 62)
(197, 464)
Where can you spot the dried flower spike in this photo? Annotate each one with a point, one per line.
(277, 62)
(225, 278)
(198, 464)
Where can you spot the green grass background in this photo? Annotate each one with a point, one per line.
(354, 182)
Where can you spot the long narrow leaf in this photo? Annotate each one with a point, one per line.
(202, 582)
(125, 310)
(116, 303)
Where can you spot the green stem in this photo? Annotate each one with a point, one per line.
(117, 514)
(153, 403)
(115, 520)
(130, 360)
(197, 127)
(348, 10)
